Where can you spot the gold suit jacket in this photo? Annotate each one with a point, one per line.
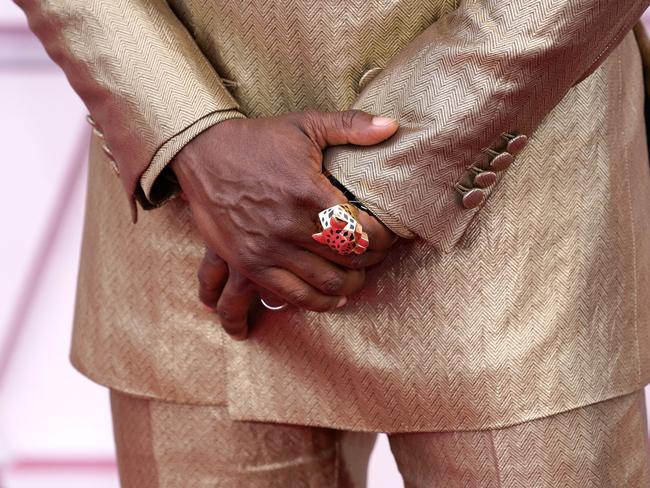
(509, 303)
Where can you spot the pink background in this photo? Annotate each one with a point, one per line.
(54, 424)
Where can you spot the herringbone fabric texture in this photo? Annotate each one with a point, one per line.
(604, 445)
(540, 307)
(137, 69)
(505, 48)
(165, 445)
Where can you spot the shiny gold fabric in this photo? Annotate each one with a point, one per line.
(535, 304)
(168, 445)
(137, 69)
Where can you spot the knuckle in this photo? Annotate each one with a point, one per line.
(299, 296)
(211, 257)
(311, 115)
(307, 203)
(255, 270)
(251, 263)
(312, 122)
(332, 284)
(252, 245)
(348, 118)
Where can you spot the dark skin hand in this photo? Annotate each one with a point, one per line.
(255, 187)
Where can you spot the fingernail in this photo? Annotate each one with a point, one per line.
(342, 302)
(207, 307)
(382, 121)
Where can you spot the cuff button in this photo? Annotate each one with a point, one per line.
(367, 77)
(499, 161)
(114, 167)
(472, 197)
(107, 150)
(515, 143)
(483, 179)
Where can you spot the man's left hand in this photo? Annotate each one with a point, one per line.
(232, 296)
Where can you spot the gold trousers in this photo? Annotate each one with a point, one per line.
(167, 445)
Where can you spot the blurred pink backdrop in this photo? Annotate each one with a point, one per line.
(55, 429)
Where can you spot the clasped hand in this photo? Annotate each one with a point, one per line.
(255, 187)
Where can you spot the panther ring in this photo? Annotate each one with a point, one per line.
(342, 230)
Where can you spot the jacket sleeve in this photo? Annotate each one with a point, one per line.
(490, 70)
(145, 82)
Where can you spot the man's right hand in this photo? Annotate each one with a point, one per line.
(255, 187)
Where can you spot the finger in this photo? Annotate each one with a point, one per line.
(212, 276)
(235, 302)
(324, 275)
(258, 309)
(380, 238)
(270, 298)
(349, 261)
(348, 127)
(295, 291)
(370, 257)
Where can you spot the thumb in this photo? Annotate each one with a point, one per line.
(348, 127)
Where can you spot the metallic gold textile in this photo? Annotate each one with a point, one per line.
(604, 445)
(137, 69)
(170, 445)
(539, 303)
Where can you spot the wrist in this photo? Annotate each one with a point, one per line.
(187, 163)
(182, 165)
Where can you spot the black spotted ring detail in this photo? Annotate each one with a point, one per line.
(342, 231)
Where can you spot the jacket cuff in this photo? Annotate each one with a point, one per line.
(362, 190)
(157, 184)
(438, 211)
